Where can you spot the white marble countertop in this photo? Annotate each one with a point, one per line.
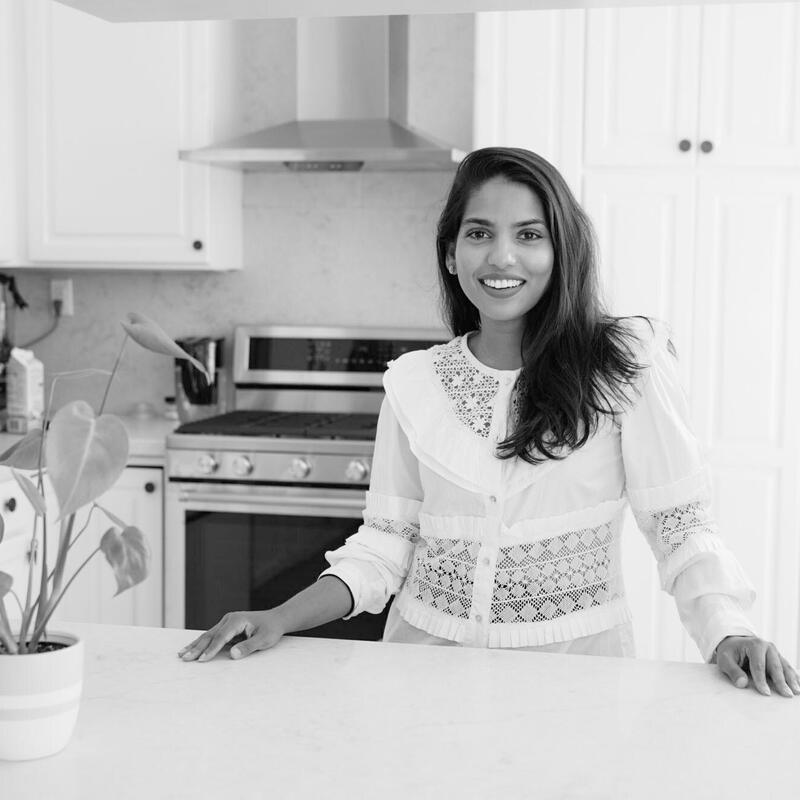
(339, 719)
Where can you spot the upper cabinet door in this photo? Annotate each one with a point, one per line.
(109, 107)
(641, 86)
(7, 137)
(750, 86)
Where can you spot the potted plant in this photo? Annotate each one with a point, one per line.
(83, 455)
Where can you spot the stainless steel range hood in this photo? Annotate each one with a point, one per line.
(352, 85)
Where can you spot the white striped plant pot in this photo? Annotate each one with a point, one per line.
(39, 698)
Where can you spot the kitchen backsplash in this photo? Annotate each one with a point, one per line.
(327, 249)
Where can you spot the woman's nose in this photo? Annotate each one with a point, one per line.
(502, 253)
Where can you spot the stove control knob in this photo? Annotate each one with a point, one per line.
(207, 464)
(242, 466)
(357, 471)
(300, 468)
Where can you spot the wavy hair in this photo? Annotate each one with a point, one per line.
(578, 361)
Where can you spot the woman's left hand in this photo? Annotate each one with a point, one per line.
(735, 654)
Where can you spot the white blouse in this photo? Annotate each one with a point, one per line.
(493, 552)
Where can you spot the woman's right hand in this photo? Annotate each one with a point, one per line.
(262, 629)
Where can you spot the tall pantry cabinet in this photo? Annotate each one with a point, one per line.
(689, 166)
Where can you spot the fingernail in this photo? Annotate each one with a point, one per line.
(235, 652)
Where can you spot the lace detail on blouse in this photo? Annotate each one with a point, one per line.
(668, 529)
(397, 527)
(539, 581)
(443, 575)
(470, 391)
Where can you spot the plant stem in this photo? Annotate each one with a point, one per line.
(63, 547)
(42, 598)
(55, 600)
(16, 597)
(5, 630)
(28, 613)
(113, 373)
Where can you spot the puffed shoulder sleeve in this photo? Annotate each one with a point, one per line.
(668, 484)
(375, 560)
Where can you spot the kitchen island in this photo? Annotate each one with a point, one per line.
(327, 718)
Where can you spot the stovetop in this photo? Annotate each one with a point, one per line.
(286, 424)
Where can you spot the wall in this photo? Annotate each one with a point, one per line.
(321, 249)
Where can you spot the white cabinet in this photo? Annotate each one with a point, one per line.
(107, 109)
(138, 499)
(642, 82)
(529, 85)
(8, 105)
(679, 85)
(709, 241)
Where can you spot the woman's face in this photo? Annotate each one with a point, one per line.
(503, 253)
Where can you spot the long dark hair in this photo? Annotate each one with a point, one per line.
(578, 361)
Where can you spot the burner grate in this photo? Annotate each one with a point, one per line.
(286, 424)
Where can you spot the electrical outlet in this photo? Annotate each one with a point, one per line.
(62, 290)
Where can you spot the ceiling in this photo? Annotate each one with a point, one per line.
(163, 10)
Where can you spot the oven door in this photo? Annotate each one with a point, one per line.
(231, 547)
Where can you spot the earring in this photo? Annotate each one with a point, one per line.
(451, 268)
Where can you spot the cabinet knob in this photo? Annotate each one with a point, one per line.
(706, 146)
(684, 145)
(11, 503)
(197, 244)
(149, 487)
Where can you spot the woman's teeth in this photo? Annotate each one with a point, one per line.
(507, 283)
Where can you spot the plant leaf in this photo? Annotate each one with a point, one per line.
(127, 553)
(6, 582)
(81, 373)
(112, 516)
(24, 454)
(151, 336)
(85, 454)
(31, 492)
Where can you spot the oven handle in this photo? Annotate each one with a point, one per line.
(221, 498)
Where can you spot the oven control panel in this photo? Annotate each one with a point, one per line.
(269, 467)
(345, 357)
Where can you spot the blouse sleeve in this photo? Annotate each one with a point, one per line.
(668, 485)
(375, 560)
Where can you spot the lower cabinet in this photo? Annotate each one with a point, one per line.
(137, 499)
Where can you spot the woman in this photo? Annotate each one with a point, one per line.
(504, 459)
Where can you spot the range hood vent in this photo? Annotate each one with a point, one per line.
(352, 85)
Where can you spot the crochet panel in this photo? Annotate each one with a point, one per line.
(443, 575)
(397, 527)
(540, 581)
(668, 529)
(469, 390)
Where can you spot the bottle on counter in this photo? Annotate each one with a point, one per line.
(24, 391)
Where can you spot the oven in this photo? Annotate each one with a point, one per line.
(255, 497)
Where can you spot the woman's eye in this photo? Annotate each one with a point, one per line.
(477, 235)
(530, 235)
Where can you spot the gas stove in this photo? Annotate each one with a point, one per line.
(306, 408)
